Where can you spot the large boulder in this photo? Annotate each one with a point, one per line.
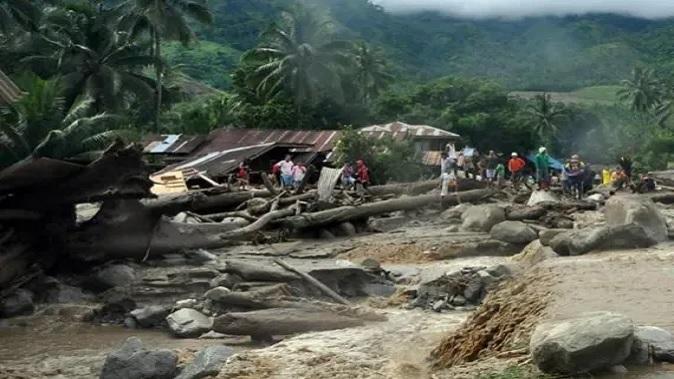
(455, 212)
(151, 316)
(533, 254)
(652, 342)
(112, 276)
(622, 210)
(548, 234)
(132, 361)
(18, 303)
(577, 242)
(587, 343)
(64, 293)
(526, 213)
(539, 197)
(481, 218)
(188, 323)
(207, 362)
(515, 232)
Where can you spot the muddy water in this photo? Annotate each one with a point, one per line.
(49, 347)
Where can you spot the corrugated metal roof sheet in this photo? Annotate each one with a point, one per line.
(9, 92)
(316, 140)
(178, 144)
(402, 131)
(219, 163)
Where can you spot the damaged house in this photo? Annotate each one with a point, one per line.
(209, 160)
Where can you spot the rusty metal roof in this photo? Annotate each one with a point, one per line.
(219, 163)
(230, 138)
(401, 131)
(9, 92)
(179, 144)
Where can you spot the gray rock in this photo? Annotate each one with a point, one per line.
(538, 197)
(455, 212)
(481, 218)
(187, 303)
(188, 323)
(533, 254)
(526, 213)
(623, 210)
(151, 316)
(587, 343)
(487, 247)
(515, 232)
(577, 242)
(217, 293)
(112, 276)
(548, 234)
(17, 304)
(132, 361)
(207, 362)
(386, 224)
(652, 342)
(346, 229)
(458, 301)
(226, 280)
(63, 293)
(453, 229)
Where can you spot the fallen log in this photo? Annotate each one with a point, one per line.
(416, 188)
(264, 323)
(348, 213)
(325, 289)
(259, 272)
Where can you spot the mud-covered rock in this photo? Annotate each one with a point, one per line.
(654, 343)
(547, 235)
(17, 304)
(111, 276)
(151, 316)
(583, 344)
(533, 254)
(526, 213)
(63, 293)
(207, 362)
(226, 280)
(466, 286)
(386, 224)
(132, 361)
(582, 241)
(455, 212)
(188, 323)
(624, 210)
(481, 218)
(515, 232)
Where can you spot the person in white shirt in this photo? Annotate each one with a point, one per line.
(286, 167)
(447, 165)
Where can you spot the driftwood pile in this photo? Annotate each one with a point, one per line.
(39, 225)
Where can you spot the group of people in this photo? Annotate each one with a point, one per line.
(355, 177)
(289, 174)
(489, 168)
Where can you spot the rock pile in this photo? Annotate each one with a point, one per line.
(466, 287)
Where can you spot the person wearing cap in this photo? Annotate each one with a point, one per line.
(542, 163)
(516, 167)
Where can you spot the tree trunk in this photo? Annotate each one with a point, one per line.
(348, 213)
(281, 321)
(158, 71)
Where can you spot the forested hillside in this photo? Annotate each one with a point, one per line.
(546, 53)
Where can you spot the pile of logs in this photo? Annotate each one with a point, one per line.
(38, 222)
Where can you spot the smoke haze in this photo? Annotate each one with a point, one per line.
(651, 9)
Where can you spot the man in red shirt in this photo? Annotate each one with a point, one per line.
(362, 174)
(516, 167)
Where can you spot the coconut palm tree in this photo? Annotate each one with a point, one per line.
(297, 57)
(40, 125)
(544, 116)
(163, 20)
(371, 71)
(94, 60)
(643, 92)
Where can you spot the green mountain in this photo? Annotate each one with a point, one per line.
(541, 53)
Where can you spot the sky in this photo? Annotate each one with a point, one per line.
(651, 9)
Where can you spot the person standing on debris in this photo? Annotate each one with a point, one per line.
(469, 166)
(362, 174)
(243, 175)
(626, 165)
(575, 172)
(516, 168)
(347, 176)
(491, 161)
(542, 163)
(447, 166)
(499, 174)
(286, 168)
(461, 164)
(299, 171)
